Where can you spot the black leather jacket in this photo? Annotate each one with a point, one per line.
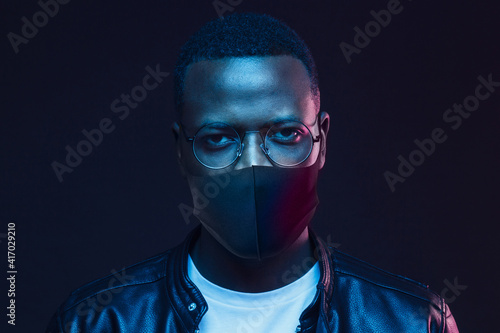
(156, 295)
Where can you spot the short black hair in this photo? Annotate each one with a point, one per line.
(242, 35)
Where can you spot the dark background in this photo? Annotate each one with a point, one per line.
(119, 205)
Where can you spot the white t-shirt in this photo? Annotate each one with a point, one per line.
(271, 311)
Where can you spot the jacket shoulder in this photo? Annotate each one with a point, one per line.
(379, 298)
(144, 272)
(349, 267)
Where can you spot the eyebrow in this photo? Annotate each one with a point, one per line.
(285, 118)
(268, 123)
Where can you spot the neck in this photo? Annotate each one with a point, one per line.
(227, 270)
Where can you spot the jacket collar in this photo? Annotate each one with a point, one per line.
(190, 306)
(326, 282)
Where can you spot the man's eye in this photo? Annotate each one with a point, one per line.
(288, 132)
(287, 135)
(218, 140)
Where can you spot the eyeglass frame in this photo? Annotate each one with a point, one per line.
(241, 145)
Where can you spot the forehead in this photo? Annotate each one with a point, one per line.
(246, 92)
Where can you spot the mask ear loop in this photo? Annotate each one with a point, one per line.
(320, 137)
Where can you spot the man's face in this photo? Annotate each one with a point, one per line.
(260, 209)
(249, 94)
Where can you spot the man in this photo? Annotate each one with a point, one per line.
(250, 141)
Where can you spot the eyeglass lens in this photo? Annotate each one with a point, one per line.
(218, 145)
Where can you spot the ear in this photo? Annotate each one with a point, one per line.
(324, 126)
(176, 131)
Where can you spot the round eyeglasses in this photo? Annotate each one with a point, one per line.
(287, 143)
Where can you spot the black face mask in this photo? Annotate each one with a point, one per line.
(256, 212)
